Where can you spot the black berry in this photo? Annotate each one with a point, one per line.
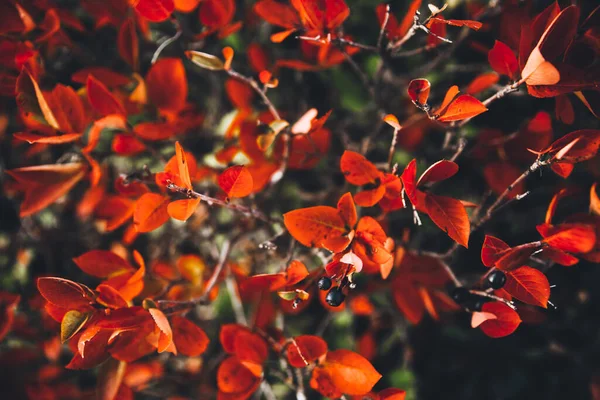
(460, 295)
(496, 279)
(324, 283)
(335, 297)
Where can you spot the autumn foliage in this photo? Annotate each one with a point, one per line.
(292, 198)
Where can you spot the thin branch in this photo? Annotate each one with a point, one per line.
(254, 85)
(392, 148)
(212, 200)
(446, 267)
(494, 297)
(236, 301)
(167, 42)
(386, 19)
(177, 306)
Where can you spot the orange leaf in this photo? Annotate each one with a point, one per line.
(450, 215)
(350, 372)
(317, 226)
(462, 107)
(182, 166)
(482, 82)
(594, 200)
(234, 377)
(236, 181)
(506, 322)
(182, 209)
(189, 338)
(102, 263)
(101, 99)
(572, 238)
(165, 338)
(528, 285)
(305, 349)
(150, 212)
(347, 210)
(357, 169)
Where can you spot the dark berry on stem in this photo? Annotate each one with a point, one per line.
(460, 295)
(496, 279)
(324, 283)
(335, 297)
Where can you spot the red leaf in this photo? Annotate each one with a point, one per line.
(503, 60)
(154, 10)
(418, 91)
(516, 256)
(101, 99)
(150, 212)
(475, 25)
(506, 322)
(586, 147)
(350, 372)
(251, 349)
(127, 43)
(236, 181)
(357, 169)
(189, 338)
(558, 34)
(305, 349)
(125, 318)
(228, 334)
(500, 174)
(277, 13)
(409, 180)
(450, 215)
(492, 250)
(528, 285)
(439, 171)
(102, 263)
(44, 184)
(166, 83)
(65, 293)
